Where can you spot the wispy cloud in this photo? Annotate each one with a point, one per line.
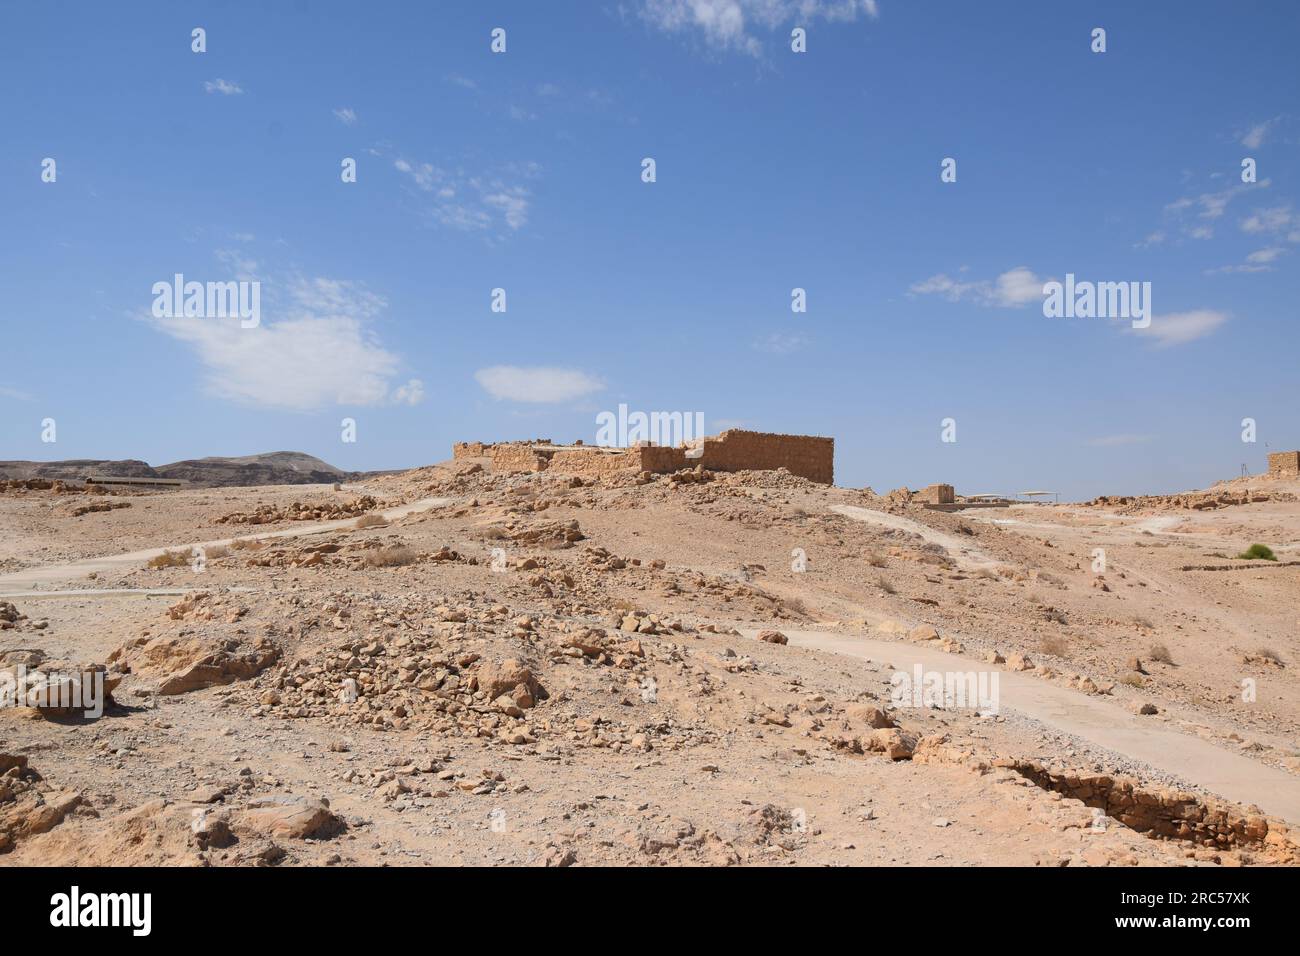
(320, 350)
(472, 202)
(1275, 221)
(779, 343)
(1012, 289)
(727, 24)
(1179, 328)
(15, 393)
(1255, 135)
(463, 82)
(537, 384)
(346, 115)
(224, 87)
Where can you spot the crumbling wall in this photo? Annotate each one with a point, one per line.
(936, 495)
(807, 456)
(1284, 464)
(734, 450)
(469, 449)
(512, 457)
(590, 462)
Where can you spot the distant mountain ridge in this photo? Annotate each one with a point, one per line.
(270, 468)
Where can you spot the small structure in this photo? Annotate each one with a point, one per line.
(1284, 464)
(1040, 494)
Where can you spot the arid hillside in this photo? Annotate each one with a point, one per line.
(453, 666)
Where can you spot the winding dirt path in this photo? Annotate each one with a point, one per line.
(1098, 720)
(31, 579)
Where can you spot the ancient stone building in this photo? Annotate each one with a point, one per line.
(808, 456)
(1284, 464)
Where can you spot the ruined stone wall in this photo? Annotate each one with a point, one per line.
(1284, 464)
(738, 450)
(589, 462)
(735, 450)
(936, 495)
(516, 457)
(469, 449)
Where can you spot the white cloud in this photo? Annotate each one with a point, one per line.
(512, 203)
(319, 351)
(14, 393)
(724, 24)
(1265, 255)
(346, 115)
(224, 87)
(462, 81)
(1275, 219)
(1254, 137)
(780, 344)
(412, 393)
(1012, 289)
(536, 384)
(1179, 328)
(473, 203)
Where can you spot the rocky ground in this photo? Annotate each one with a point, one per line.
(546, 670)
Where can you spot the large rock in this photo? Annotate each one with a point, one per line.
(291, 818)
(181, 665)
(510, 677)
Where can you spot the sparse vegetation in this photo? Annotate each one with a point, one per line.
(876, 560)
(1268, 654)
(1133, 679)
(370, 521)
(247, 544)
(1257, 552)
(885, 586)
(1053, 645)
(1144, 623)
(394, 556)
(1160, 654)
(171, 559)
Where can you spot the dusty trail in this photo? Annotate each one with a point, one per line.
(963, 552)
(32, 578)
(1095, 719)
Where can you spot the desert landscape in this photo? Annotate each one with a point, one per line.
(545, 655)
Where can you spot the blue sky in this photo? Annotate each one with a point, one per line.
(775, 170)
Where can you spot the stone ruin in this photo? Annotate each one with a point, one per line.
(1284, 464)
(736, 449)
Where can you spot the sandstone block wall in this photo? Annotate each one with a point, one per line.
(807, 456)
(1284, 464)
(937, 494)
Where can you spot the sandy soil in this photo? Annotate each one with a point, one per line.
(528, 670)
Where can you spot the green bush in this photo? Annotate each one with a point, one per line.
(1258, 552)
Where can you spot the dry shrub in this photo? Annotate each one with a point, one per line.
(885, 586)
(876, 559)
(1269, 655)
(370, 521)
(1160, 653)
(397, 555)
(1053, 645)
(1133, 679)
(171, 559)
(247, 544)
